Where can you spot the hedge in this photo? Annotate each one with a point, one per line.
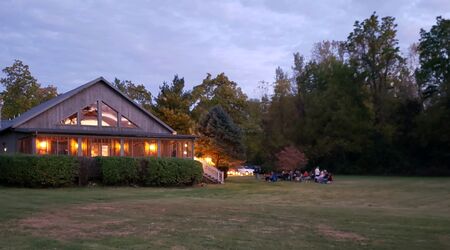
(37, 171)
(119, 170)
(57, 171)
(172, 172)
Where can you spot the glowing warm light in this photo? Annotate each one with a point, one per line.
(185, 152)
(185, 145)
(152, 147)
(43, 144)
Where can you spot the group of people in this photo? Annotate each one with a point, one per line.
(319, 176)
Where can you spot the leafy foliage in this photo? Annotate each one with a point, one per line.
(434, 56)
(34, 171)
(119, 170)
(173, 106)
(219, 91)
(136, 92)
(220, 137)
(291, 158)
(172, 172)
(22, 91)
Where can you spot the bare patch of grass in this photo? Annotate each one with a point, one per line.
(334, 234)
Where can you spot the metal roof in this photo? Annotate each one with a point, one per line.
(37, 110)
(123, 133)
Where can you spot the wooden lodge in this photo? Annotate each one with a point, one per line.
(95, 119)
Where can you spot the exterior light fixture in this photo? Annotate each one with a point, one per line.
(152, 147)
(43, 144)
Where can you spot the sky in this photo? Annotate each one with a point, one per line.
(68, 43)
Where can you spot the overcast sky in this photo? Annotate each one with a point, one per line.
(67, 43)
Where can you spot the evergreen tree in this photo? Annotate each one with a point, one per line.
(173, 106)
(220, 138)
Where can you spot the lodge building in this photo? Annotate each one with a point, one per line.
(95, 119)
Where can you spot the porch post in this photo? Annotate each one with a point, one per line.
(80, 146)
(121, 147)
(193, 153)
(159, 148)
(33, 145)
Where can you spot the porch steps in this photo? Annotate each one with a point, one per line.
(212, 175)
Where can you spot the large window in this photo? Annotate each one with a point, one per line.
(56, 145)
(126, 123)
(168, 148)
(89, 115)
(71, 120)
(109, 116)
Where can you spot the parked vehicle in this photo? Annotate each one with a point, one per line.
(245, 170)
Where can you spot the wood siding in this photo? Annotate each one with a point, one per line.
(97, 92)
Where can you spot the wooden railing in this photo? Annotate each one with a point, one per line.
(213, 174)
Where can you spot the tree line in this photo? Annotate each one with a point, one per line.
(358, 106)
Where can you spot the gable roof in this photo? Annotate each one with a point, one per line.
(39, 109)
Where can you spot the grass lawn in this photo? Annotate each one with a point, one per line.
(353, 213)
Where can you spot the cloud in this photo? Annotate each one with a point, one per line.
(68, 43)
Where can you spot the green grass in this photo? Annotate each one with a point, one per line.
(352, 213)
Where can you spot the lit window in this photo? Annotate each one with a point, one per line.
(125, 123)
(109, 116)
(89, 115)
(71, 120)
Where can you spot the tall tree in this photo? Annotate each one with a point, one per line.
(220, 138)
(434, 57)
(22, 91)
(281, 120)
(433, 130)
(219, 91)
(136, 92)
(374, 53)
(173, 106)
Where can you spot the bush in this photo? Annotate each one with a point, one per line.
(56, 171)
(172, 172)
(37, 171)
(119, 170)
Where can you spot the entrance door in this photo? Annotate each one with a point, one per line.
(100, 147)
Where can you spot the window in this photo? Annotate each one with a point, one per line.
(126, 147)
(125, 123)
(71, 120)
(168, 148)
(151, 148)
(138, 149)
(89, 115)
(109, 116)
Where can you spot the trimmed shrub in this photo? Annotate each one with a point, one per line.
(38, 171)
(172, 172)
(119, 170)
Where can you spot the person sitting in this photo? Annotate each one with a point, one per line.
(274, 177)
(305, 176)
(330, 178)
(324, 177)
(297, 175)
(316, 174)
